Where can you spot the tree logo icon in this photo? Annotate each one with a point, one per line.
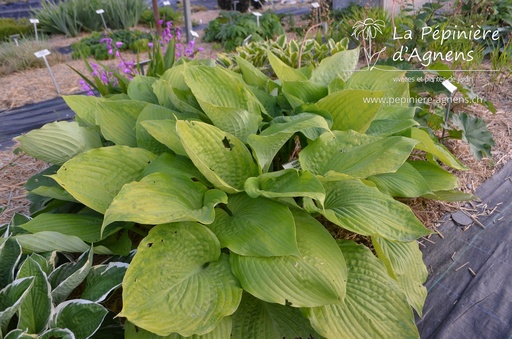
(367, 31)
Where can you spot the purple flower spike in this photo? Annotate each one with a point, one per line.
(150, 44)
(118, 55)
(119, 44)
(160, 22)
(110, 51)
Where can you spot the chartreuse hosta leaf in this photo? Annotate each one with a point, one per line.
(338, 66)
(10, 254)
(161, 198)
(57, 142)
(225, 99)
(406, 182)
(223, 330)
(351, 109)
(67, 277)
(95, 177)
(405, 264)
(315, 277)
(269, 141)
(365, 210)
(84, 107)
(35, 310)
(84, 226)
(45, 241)
(252, 75)
(141, 89)
(11, 297)
(256, 319)
(300, 92)
(436, 149)
(144, 137)
(288, 183)
(175, 164)
(117, 120)
(255, 227)
(355, 154)
(435, 176)
(164, 131)
(171, 97)
(103, 279)
(383, 78)
(179, 282)
(374, 306)
(82, 317)
(221, 157)
(283, 71)
(391, 120)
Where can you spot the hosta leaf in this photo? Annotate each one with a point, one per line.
(103, 279)
(141, 88)
(95, 177)
(364, 210)
(84, 107)
(117, 120)
(46, 241)
(338, 66)
(164, 131)
(269, 142)
(475, 133)
(437, 150)
(436, 178)
(283, 71)
(252, 75)
(174, 164)
(225, 99)
(11, 298)
(171, 97)
(450, 195)
(374, 306)
(161, 198)
(144, 137)
(316, 277)
(355, 154)
(288, 183)
(221, 157)
(35, 309)
(256, 319)
(223, 330)
(299, 92)
(179, 282)
(82, 317)
(10, 254)
(351, 109)
(57, 333)
(84, 226)
(57, 142)
(406, 182)
(405, 264)
(384, 79)
(18, 334)
(68, 276)
(255, 227)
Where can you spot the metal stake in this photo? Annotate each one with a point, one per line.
(43, 54)
(100, 12)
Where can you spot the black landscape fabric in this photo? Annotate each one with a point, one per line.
(470, 271)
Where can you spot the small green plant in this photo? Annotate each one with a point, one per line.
(9, 26)
(18, 58)
(225, 177)
(93, 45)
(310, 52)
(166, 14)
(36, 290)
(232, 28)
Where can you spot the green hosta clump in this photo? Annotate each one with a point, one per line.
(292, 52)
(197, 163)
(35, 292)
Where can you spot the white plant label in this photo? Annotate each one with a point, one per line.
(100, 11)
(34, 21)
(315, 5)
(42, 53)
(166, 3)
(449, 86)
(257, 13)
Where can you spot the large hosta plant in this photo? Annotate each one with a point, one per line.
(226, 182)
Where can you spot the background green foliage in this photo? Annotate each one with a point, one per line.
(74, 16)
(231, 28)
(10, 26)
(166, 13)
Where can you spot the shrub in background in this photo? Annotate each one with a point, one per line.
(231, 28)
(17, 58)
(166, 14)
(227, 5)
(72, 17)
(10, 26)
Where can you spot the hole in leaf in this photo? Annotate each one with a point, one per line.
(149, 244)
